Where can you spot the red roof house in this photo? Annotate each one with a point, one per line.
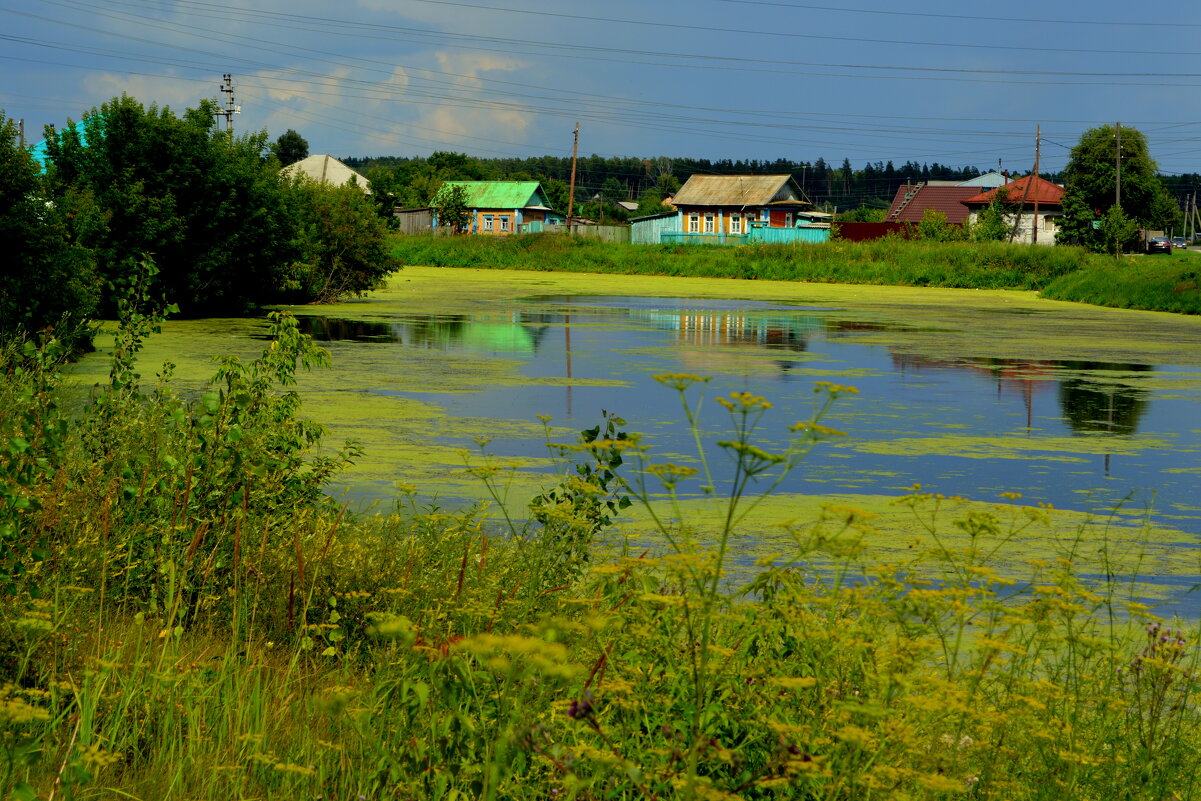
(912, 200)
(1024, 197)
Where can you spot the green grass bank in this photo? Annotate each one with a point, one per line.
(1061, 273)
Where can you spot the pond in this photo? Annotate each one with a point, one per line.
(968, 393)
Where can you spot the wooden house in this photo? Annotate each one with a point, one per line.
(501, 208)
(732, 204)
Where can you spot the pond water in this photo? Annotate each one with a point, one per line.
(969, 394)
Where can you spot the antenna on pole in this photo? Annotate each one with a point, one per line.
(226, 88)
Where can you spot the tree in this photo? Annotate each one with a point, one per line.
(48, 278)
(556, 194)
(450, 205)
(290, 148)
(1118, 231)
(1090, 181)
(864, 214)
(934, 227)
(208, 208)
(993, 222)
(341, 242)
(612, 190)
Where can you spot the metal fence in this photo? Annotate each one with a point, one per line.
(756, 236)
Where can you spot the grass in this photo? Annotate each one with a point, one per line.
(1155, 283)
(1062, 273)
(186, 616)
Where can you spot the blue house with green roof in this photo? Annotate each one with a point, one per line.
(500, 208)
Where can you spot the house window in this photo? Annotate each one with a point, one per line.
(694, 223)
(504, 223)
(708, 223)
(736, 223)
(788, 219)
(1048, 223)
(487, 222)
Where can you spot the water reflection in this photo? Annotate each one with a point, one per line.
(1088, 405)
(1092, 407)
(510, 334)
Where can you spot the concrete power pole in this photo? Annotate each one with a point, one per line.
(227, 89)
(575, 149)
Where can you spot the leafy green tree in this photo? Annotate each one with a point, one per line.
(341, 242)
(667, 184)
(651, 202)
(1118, 231)
(48, 279)
(934, 226)
(450, 205)
(290, 148)
(207, 207)
(994, 222)
(863, 214)
(556, 194)
(612, 190)
(1090, 180)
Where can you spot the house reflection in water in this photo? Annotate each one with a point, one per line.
(517, 334)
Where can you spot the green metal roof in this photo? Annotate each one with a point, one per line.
(502, 194)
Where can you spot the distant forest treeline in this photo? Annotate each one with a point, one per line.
(620, 178)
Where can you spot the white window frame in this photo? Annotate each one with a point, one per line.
(710, 223)
(504, 223)
(488, 222)
(735, 223)
(694, 223)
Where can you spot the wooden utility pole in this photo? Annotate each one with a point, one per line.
(575, 151)
(1038, 138)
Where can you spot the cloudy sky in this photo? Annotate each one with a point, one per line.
(869, 80)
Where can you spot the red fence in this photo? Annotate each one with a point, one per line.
(861, 231)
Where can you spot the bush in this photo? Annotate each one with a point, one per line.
(341, 241)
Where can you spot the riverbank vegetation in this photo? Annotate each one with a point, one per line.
(976, 265)
(227, 232)
(186, 615)
(1061, 273)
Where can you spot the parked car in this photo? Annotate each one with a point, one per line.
(1179, 242)
(1159, 244)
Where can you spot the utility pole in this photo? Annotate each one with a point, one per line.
(21, 133)
(1038, 138)
(227, 89)
(575, 150)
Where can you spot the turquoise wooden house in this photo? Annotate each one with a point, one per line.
(502, 208)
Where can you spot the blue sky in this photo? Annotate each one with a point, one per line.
(928, 81)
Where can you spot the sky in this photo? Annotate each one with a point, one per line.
(960, 84)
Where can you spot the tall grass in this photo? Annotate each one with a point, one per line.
(980, 265)
(185, 617)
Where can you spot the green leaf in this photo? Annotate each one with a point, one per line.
(23, 792)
